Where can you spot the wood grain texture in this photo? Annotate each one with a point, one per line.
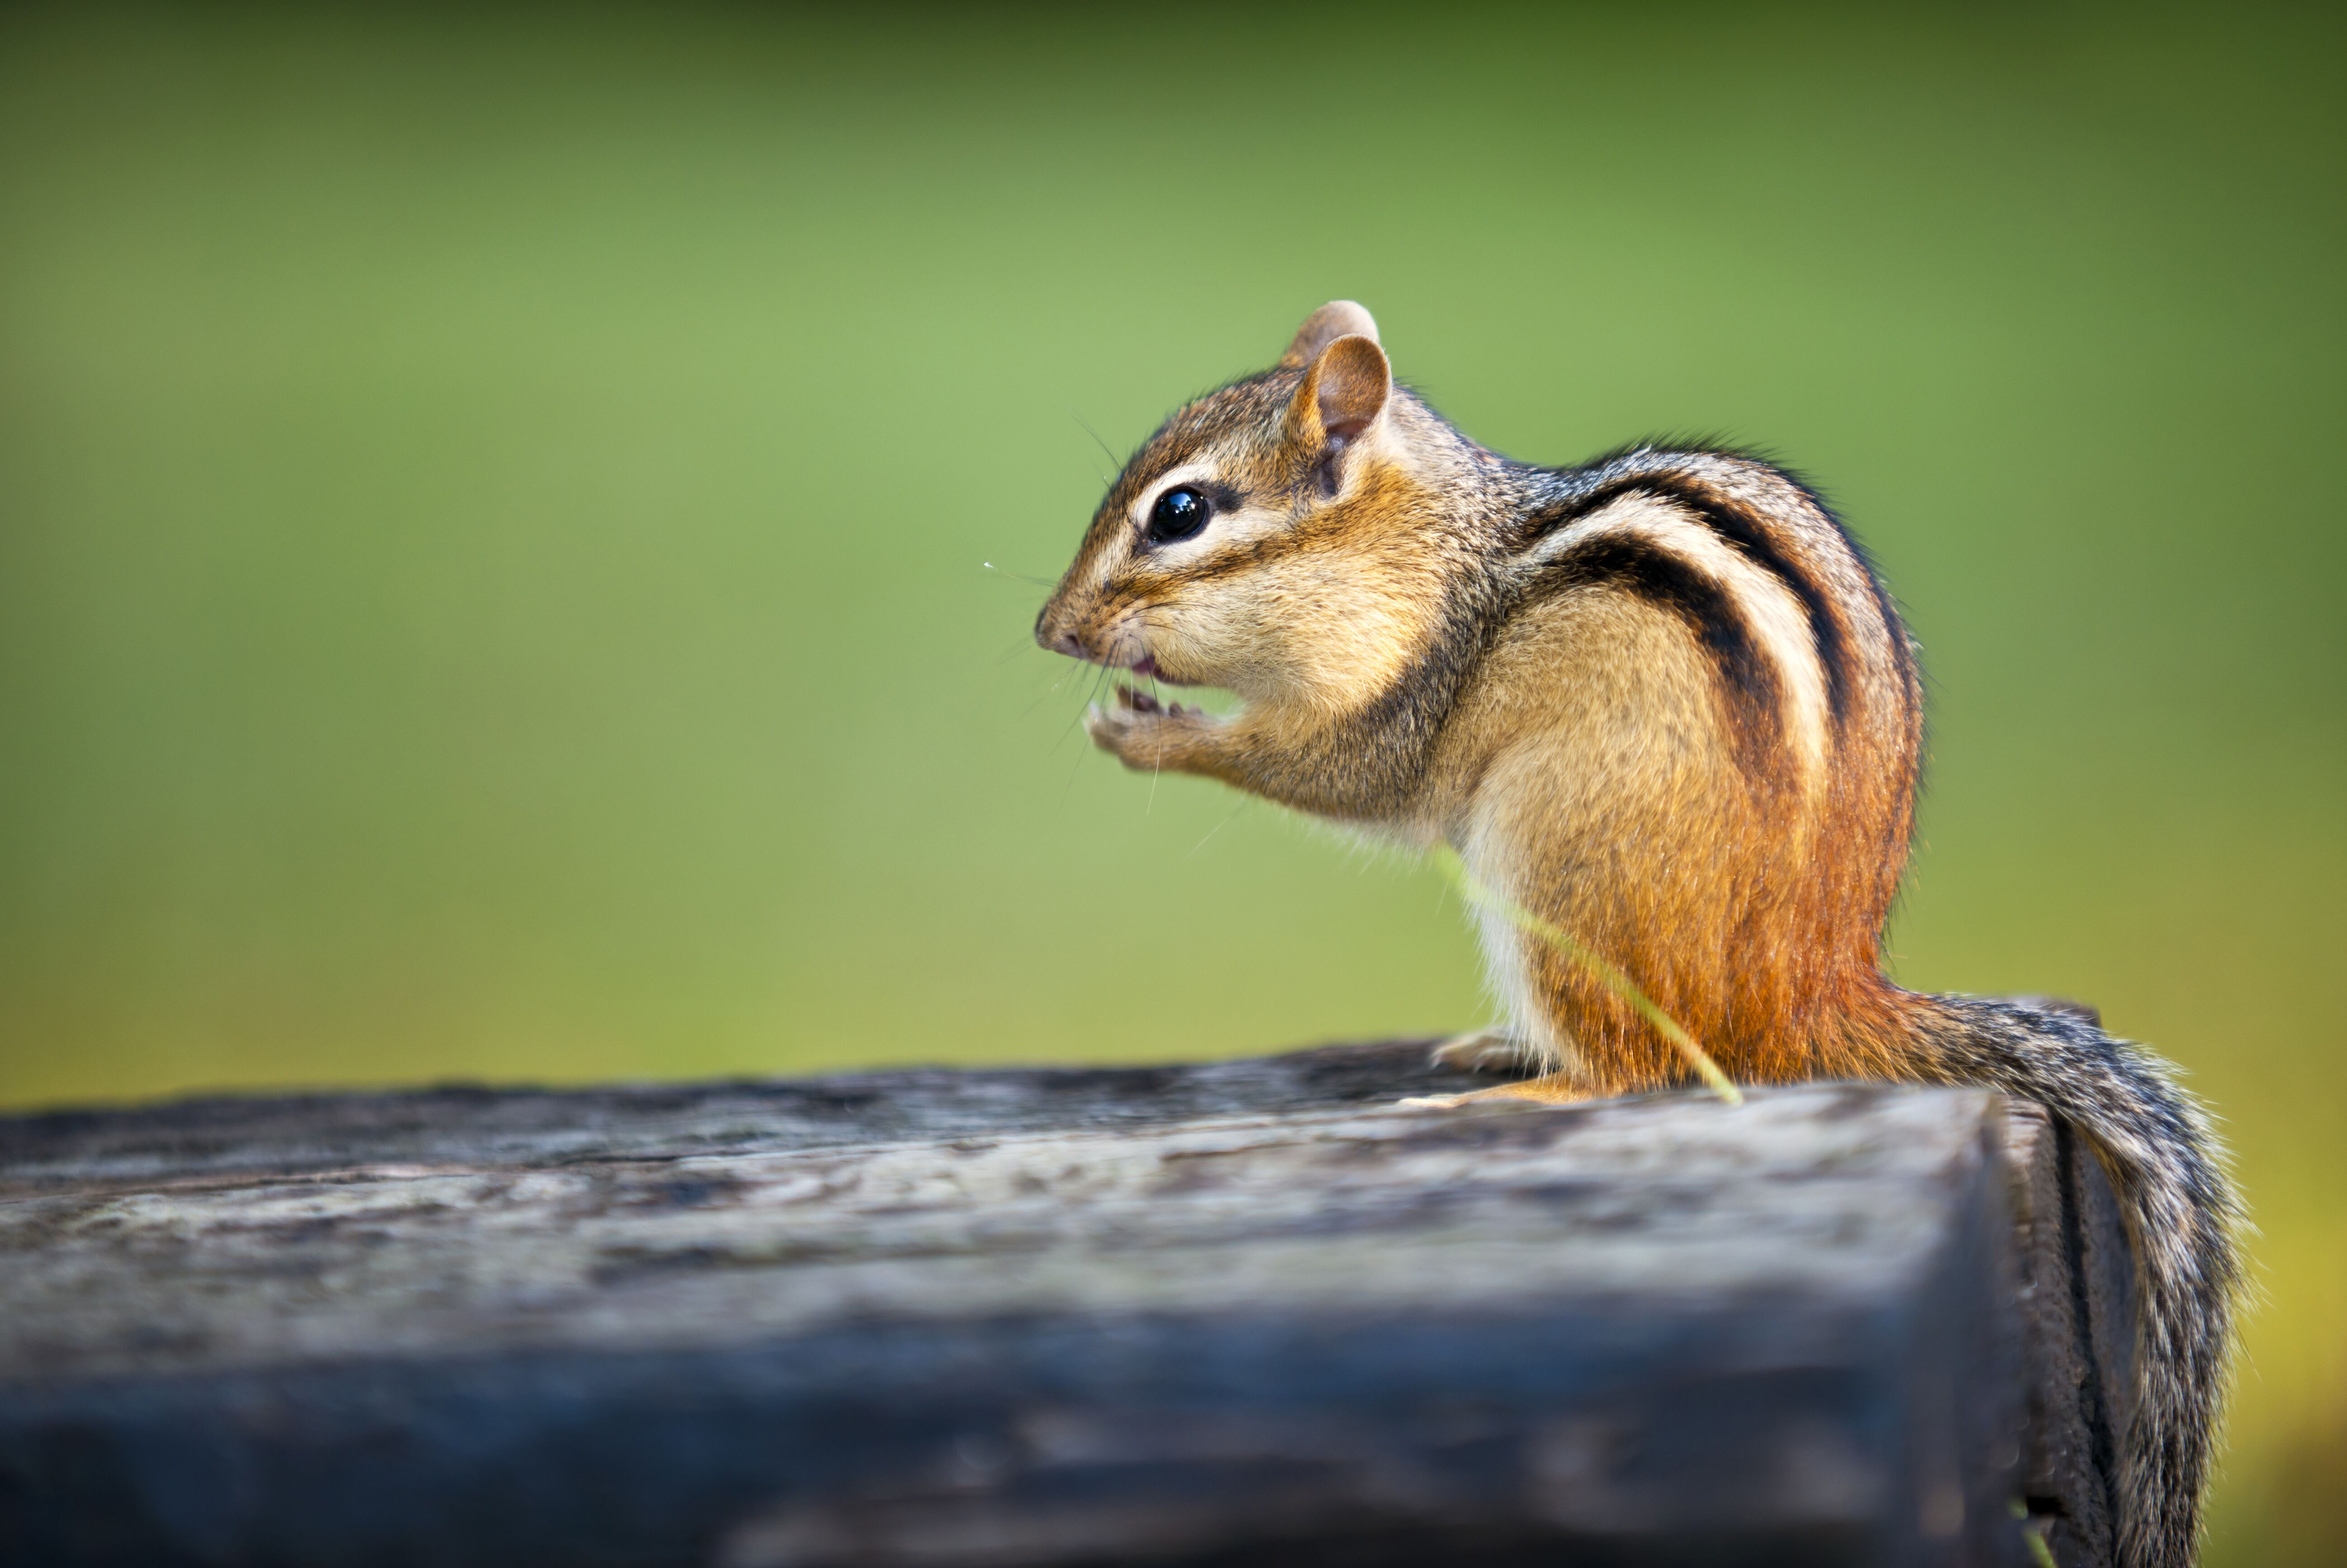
(1235, 1313)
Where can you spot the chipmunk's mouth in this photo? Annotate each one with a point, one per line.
(1145, 668)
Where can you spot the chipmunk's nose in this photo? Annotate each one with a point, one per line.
(1053, 630)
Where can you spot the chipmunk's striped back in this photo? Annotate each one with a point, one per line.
(1754, 843)
(1661, 705)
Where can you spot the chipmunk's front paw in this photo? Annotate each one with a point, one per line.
(1143, 733)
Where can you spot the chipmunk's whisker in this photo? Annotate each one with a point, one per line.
(1104, 446)
(1220, 826)
(1077, 717)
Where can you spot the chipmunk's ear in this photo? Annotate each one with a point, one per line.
(1343, 393)
(1338, 318)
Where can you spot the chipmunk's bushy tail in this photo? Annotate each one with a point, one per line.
(2169, 1171)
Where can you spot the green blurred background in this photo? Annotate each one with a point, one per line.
(491, 515)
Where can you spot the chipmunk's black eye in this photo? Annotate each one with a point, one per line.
(1179, 514)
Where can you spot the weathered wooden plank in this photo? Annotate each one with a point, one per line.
(1234, 1313)
(2078, 1309)
(478, 1126)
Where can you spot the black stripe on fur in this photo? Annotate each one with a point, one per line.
(1749, 538)
(1663, 578)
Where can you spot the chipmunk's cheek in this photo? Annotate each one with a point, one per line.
(1151, 642)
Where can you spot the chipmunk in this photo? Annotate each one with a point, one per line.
(1660, 702)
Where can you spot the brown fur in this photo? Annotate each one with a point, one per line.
(1660, 702)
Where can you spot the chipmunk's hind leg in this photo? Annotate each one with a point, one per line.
(1548, 1089)
(1505, 1050)
(1485, 1050)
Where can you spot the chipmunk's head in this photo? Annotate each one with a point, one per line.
(1269, 537)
